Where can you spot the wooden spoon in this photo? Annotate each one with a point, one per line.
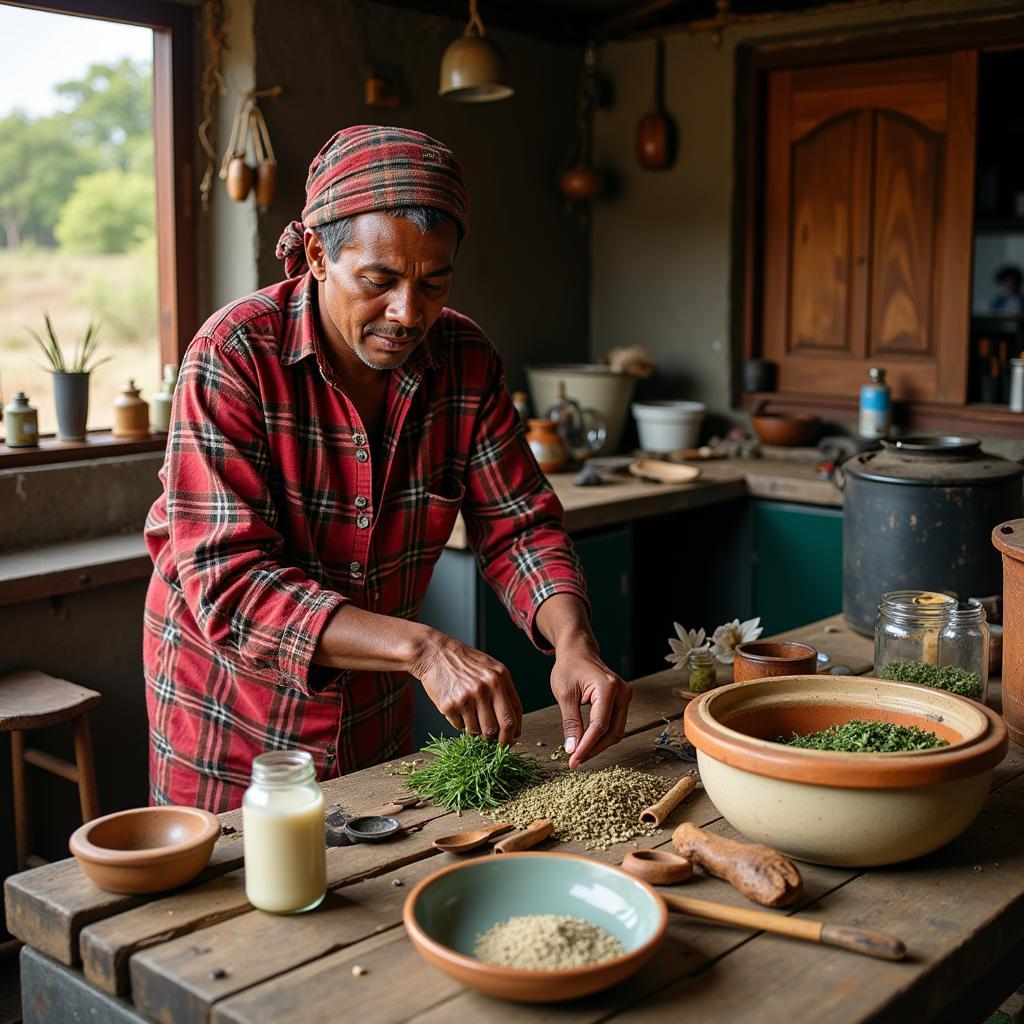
(465, 842)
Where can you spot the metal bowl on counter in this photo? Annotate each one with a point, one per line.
(843, 809)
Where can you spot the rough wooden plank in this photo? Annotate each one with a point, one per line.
(690, 945)
(48, 906)
(956, 919)
(159, 974)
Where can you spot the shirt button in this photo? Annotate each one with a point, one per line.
(360, 502)
(358, 439)
(363, 522)
(355, 568)
(362, 455)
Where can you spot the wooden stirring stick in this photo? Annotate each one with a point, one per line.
(860, 940)
(658, 812)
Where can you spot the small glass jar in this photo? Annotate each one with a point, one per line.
(923, 628)
(701, 665)
(964, 644)
(283, 833)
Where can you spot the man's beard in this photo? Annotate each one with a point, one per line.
(383, 331)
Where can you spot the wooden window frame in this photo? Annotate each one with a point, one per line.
(174, 170)
(754, 62)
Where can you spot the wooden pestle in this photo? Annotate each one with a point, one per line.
(761, 873)
(535, 833)
(860, 940)
(657, 813)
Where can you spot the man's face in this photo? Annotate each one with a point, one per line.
(388, 285)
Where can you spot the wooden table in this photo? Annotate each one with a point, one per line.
(203, 955)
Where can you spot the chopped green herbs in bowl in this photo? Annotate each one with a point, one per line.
(865, 737)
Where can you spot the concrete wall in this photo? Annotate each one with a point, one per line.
(661, 252)
(523, 271)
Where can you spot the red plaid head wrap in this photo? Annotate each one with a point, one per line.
(368, 167)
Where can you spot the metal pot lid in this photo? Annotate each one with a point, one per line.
(949, 460)
(1008, 537)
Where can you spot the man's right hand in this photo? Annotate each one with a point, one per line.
(472, 690)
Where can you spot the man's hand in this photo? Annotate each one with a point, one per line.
(581, 677)
(472, 690)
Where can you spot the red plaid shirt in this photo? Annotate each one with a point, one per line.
(268, 523)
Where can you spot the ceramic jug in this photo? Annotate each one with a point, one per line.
(547, 445)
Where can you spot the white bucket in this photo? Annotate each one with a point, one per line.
(668, 426)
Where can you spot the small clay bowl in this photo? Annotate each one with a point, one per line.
(373, 828)
(758, 659)
(445, 913)
(786, 431)
(146, 849)
(659, 867)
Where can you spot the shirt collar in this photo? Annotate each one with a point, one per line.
(302, 332)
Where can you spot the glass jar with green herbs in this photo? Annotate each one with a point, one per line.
(701, 665)
(931, 640)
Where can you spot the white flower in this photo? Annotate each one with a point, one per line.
(730, 635)
(689, 640)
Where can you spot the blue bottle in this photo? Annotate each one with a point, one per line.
(875, 407)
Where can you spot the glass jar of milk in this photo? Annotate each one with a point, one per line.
(283, 832)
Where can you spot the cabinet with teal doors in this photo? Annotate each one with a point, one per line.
(459, 602)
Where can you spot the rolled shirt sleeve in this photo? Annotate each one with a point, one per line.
(514, 520)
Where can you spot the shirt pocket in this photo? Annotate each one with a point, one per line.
(441, 512)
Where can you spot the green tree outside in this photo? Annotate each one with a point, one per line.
(110, 211)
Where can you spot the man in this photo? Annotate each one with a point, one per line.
(326, 433)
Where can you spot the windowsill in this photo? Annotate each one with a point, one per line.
(99, 443)
(72, 566)
(975, 418)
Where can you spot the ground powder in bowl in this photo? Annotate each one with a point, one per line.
(546, 942)
(597, 808)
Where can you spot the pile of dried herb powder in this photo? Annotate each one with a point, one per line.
(468, 772)
(860, 737)
(942, 677)
(546, 942)
(596, 808)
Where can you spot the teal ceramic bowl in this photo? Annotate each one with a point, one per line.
(447, 910)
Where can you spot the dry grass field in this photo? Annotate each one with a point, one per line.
(119, 290)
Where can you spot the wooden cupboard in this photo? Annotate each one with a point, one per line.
(868, 209)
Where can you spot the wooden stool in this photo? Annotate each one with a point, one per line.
(34, 700)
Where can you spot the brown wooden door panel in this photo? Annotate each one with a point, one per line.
(822, 229)
(868, 222)
(907, 165)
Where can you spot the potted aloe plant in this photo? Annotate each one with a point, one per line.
(70, 378)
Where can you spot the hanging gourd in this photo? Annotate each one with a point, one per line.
(237, 172)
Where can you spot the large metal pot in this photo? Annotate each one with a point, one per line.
(918, 515)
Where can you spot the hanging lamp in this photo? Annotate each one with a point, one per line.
(473, 68)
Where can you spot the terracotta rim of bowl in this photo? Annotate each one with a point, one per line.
(1008, 538)
(516, 974)
(82, 846)
(983, 746)
(798, 651)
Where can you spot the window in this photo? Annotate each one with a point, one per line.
(94, 118)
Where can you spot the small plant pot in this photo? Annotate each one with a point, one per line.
(71, 397)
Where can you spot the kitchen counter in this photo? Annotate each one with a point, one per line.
(74, 566)
(624, 498)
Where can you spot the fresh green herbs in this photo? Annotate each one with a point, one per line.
(467, 772)
(860, 737)
(945, 677)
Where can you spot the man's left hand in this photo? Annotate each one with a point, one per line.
(581, 677)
